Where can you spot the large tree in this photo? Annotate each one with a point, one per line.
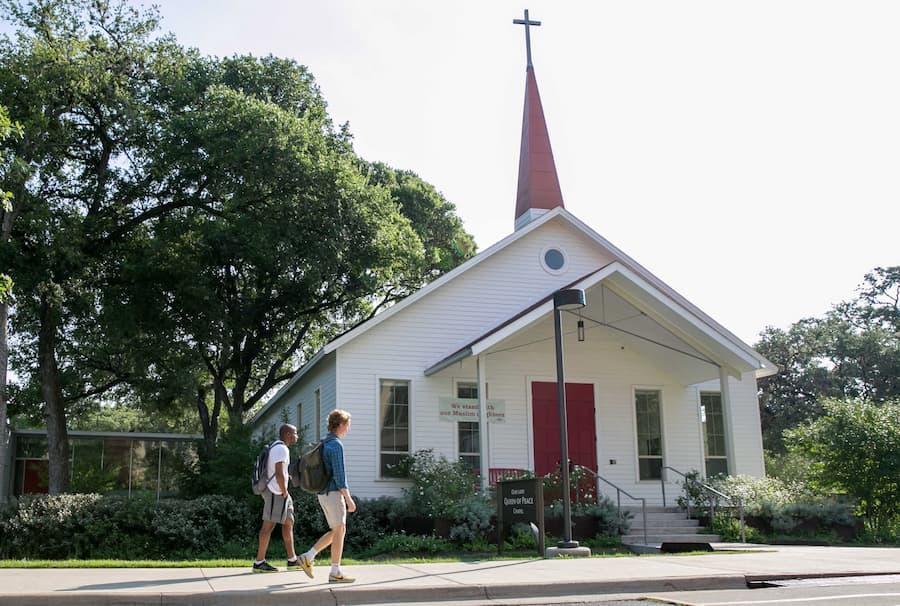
(78, 76)
(304, 241)
(7, 129)
(851, 352)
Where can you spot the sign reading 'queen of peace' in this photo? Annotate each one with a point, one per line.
(454, 410)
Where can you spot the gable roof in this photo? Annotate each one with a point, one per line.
(558, 213)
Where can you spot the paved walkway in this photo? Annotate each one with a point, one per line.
(500, 581)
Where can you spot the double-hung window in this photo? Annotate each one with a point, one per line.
(713, 434)
(394, 419)
(469, 440)
(649, 434)
(318, 414)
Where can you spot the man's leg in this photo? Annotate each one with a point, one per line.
(264, 534)
(324, 541)
(287, 533)
(337, 543)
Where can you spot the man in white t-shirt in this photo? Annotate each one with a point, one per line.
(278, 507)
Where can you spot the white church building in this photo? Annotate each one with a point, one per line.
(466, 366)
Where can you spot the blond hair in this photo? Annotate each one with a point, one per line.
(336, 418)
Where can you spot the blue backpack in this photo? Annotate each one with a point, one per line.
(260, 470)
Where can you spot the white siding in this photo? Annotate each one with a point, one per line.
(324, 377)
(448, 318)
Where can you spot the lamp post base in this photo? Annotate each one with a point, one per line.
(570, 552)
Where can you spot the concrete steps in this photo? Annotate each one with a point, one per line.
(664, 525)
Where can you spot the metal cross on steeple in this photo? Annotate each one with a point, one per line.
(527, 23)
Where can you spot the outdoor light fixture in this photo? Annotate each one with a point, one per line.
(568, 299)
(580, 328)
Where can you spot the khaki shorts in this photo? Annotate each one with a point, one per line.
(334, 507)
(277, 508)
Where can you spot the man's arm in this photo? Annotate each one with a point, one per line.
(279, 477)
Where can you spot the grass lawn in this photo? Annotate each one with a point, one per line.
(244, 563)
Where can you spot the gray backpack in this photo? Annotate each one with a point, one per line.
(260, 471)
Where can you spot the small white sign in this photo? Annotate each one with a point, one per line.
(454, 410)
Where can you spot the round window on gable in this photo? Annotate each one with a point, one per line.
(553, 260)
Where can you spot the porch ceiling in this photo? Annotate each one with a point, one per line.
(623, 308)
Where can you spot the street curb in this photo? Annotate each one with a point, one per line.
(361, 595)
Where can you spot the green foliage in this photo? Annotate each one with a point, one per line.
(851, 352)
(729, 528)
(520, 538)
(472, 519)
(820, 512)
(758, 494)
(91, 526)
(404, 544)
(438, 485)
(604, 511)
(855, 449)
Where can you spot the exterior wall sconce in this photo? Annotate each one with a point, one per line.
(580, 329)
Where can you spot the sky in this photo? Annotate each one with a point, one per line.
(747, 153)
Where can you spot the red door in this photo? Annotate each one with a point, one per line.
(580, 425)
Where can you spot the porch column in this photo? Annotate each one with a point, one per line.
(484, 446)
(725, 391)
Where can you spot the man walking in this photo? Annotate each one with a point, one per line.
(335, 500)
(278, 507)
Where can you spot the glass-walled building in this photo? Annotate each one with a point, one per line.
(106, 462)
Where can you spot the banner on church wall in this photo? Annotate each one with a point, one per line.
(454, 410)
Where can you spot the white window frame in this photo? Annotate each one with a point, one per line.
(703, 425)
(410, 423)
(317, 396)
(456, 383)
(300, 416)
(662, 430)
(547, 268)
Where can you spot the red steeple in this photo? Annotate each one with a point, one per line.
(538, 183)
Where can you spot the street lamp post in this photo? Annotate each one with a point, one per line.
(572, 298)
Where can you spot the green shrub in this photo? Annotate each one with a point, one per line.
(520, 538)
(823, 513)
(472, 519)
(855, 449)
(404, 544)
(371, 522)
(438, 485)
(91, 526)
(604, 511)
(729, 529)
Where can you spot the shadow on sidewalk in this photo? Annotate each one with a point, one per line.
(154, 583)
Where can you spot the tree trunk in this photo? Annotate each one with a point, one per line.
(4, 434)
(55, 409)
(235, 414)
(8, 216)
(209, 422)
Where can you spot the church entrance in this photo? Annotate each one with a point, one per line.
(581, 426)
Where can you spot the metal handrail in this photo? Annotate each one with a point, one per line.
(712, 503)
(619, 493)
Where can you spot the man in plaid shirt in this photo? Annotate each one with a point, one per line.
(335, 500)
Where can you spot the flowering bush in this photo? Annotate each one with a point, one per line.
(438, 486)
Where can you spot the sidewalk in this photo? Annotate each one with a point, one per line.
(480, 581)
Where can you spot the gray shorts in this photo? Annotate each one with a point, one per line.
(277, 508)
(334, 507)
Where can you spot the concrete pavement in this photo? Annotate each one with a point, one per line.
(493, 581)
